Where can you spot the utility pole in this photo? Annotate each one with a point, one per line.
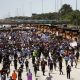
(9, 14)
(42, 6)
(60, 11)
(31, 7)
(22, 10)
(61, 3)
(55, 5)
(76, 4)
(17, 12)
(76, 15)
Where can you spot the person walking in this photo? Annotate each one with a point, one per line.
(43, 64)
(68, 71)
(76, 58)
(14, 75)
(54, 62)
(29, 75)
(77, 55)
(10, 78)
(49, 77)
(60, 67)
(3, 76)
(66, 60)
(38, 62)
(15, 64)
(26, 64)
(35, 68)
(71, 59)
(33, 59)
(51, 66)
(20, 73)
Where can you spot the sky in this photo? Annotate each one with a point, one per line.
(10, 8)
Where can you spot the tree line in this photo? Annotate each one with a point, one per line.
(65, 13)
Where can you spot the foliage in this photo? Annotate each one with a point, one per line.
(46, 16)
(65, 13)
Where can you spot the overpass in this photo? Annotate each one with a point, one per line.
(18, 22)
(42, 25)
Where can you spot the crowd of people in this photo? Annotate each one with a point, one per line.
(43, 48)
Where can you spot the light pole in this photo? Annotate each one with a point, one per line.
(31, 7)
(76, 15)
(42, 6)
(61, 3)
(55, 5)
(76, 4)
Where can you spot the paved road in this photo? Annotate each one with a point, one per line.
(75, 73)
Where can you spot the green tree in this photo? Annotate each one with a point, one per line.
(75, 17)
(65, 11)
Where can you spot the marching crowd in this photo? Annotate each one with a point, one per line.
(43, 48)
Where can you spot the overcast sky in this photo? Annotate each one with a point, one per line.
(10, 8)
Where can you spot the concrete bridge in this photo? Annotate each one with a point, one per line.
(51, 26)
(52, 22)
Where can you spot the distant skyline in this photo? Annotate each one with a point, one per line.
(10, 8)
